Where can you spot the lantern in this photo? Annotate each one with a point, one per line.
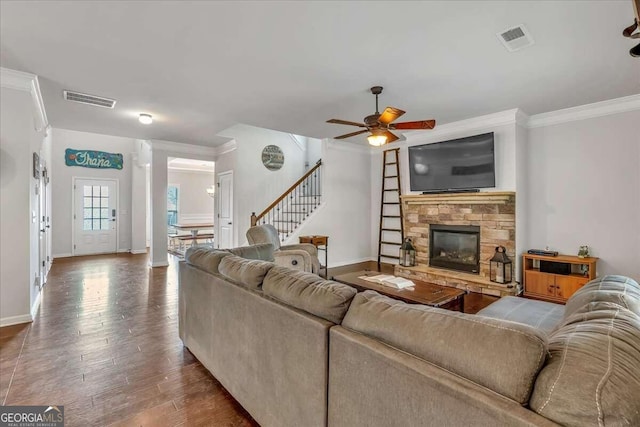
(407, 254)
(500, 266)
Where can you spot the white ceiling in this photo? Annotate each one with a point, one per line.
(200, 67)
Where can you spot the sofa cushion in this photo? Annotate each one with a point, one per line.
(306, 291)
(246, 272)
(262, 251)
(592, 376)
(502, 356)
(205, 258)
(539, 314)
(619, 290)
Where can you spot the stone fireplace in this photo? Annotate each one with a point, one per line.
(455, 236)
(455, 247)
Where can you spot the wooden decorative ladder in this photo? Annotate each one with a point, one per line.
(289, 210)
(391, 232)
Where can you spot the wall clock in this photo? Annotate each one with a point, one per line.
(272, 157)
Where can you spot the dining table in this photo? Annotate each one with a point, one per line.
(194, 228)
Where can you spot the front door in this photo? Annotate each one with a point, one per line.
(224, 237)
(95, 225)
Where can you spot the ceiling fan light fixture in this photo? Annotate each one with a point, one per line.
(377, 140)
(145, 119)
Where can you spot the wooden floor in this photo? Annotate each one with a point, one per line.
(105, 345)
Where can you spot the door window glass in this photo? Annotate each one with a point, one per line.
(95, 214)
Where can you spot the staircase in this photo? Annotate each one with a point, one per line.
(289, 210)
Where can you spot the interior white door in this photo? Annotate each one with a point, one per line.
(95, 216)
(224, 237)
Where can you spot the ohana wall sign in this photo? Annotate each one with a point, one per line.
(92, 159)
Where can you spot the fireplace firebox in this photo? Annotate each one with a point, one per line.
(455, 247)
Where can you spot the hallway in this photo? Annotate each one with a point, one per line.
(105, 345)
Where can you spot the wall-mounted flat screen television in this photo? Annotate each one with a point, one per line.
(458, 164)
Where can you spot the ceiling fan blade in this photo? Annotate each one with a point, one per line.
(390, 114)
(421, 124)
(390, 137)
(345, 122)
(351, 134)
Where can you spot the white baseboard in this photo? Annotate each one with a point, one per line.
(36, 305)
(15, 320)
(121, 251)
(139, 251)
(62, 255)
(196, 218)
(158, 264)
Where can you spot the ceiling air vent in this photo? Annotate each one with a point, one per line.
(83, 98)
(515, 38)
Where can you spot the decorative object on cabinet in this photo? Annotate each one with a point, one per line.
(583, 252)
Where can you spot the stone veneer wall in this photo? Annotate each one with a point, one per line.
(493, 212)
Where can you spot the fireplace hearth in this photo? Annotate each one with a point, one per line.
(455, 247)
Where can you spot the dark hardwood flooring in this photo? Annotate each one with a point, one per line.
(105, 345)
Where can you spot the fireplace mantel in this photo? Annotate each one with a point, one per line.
(501, 198)
(493, 212)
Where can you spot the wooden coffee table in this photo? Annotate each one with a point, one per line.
(423, 293)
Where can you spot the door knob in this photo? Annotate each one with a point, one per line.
(229, 223)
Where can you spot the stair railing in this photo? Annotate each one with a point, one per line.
(289, 210)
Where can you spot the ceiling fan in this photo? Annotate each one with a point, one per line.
(379, 124)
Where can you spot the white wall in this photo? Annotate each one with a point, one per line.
(19, 228)
(522, 201)
(314, 151)
(158, 174)
(62, 184)
(584, 189)
(195, 205)
(255, 186)
(138, 209)
(224, 163)
(345, 211)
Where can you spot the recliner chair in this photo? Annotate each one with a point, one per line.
(303, 256)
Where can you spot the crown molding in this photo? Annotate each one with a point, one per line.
(189, 170)
(176, 149)
(480, 123)
(18, 80)
(225, 148)
(587, 111)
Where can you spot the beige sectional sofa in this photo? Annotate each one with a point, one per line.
(262, 331)
(297, 350)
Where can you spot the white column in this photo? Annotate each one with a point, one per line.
(138, 208)
(158, 256)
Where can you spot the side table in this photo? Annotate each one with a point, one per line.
(321, 243)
